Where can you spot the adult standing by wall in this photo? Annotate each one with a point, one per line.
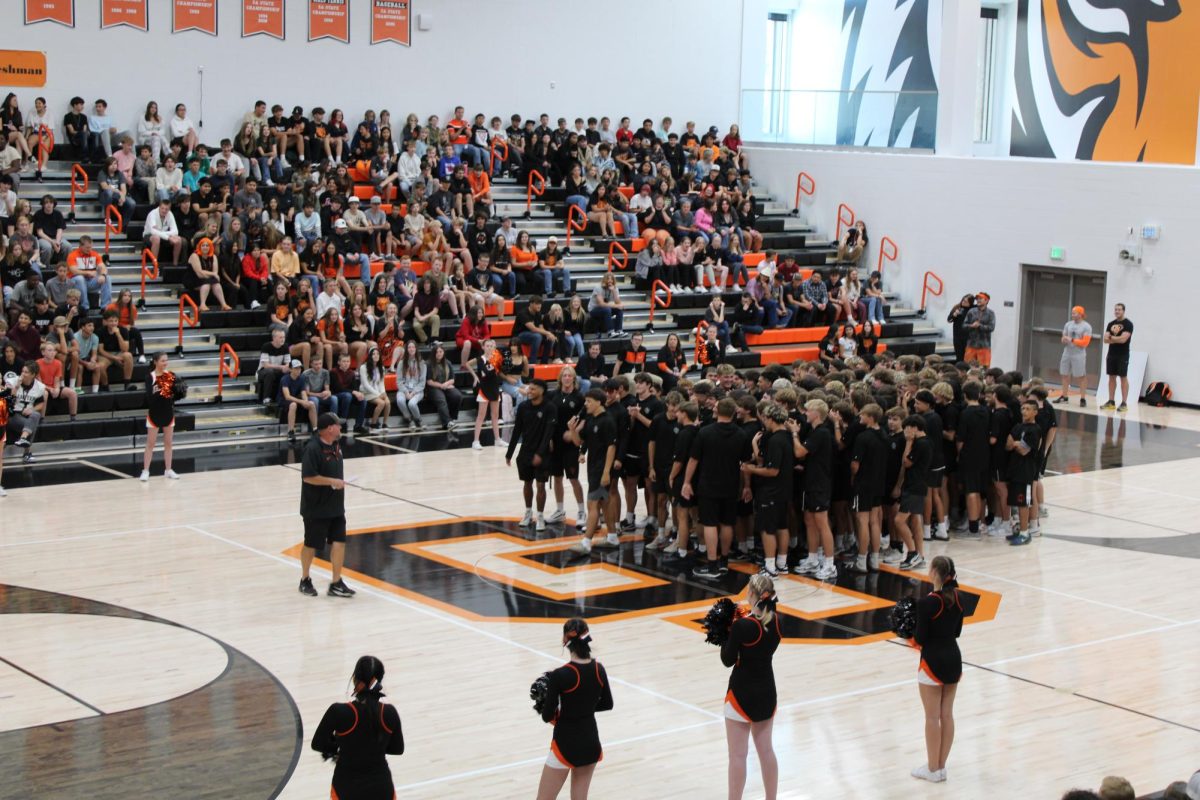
(1117, 335)
(323, 505)
(956, 318)
(1076, 336)
(979, 324)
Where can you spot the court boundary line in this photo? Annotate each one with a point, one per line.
(1070, 596)
(56, 688)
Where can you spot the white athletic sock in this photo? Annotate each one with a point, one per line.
(652, 521)
(560, 508)
(780, 562)
(703, 548)
(586, 541)
(614, 538)
(630, 517)
(528, 509)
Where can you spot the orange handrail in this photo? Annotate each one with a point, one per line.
(151, 274)
(580, 225)
(843, 210)
(927, 288)
(224, 371)
(884, 253)
(503, 145)
(654, 301)
(531, 190)
(77, 170)
(802, 189)
(44, 150)
(109, 228)
(613, 249)
(192, 321)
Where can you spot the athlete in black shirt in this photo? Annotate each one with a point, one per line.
(817, 452)
(618, 399)
(642, 406)
(769, 476)
(913, 490)
(715, 465)
(934, 510)
(972, 442)
(536, 421)
(323, 505)
(596, 434)
(689, 419)
(564, 455)
(664, 428)
(868, 466)
(998, 430)
(1023, 444)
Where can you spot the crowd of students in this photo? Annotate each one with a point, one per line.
(867, 458)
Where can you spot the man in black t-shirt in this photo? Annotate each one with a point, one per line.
(935, 510)
(868, 465)
(664, 429)
(323, 505)
(685, 440)
(914, 488)
(1116, 364)
(596, 434)
(616, 394)
(973, 446)
(564, 455)
(1024, 444)
(769, 478)
(817, 452)
(642, 406)
(714, 465)
(534, 426)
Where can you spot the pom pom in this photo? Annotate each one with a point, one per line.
(904, 618)
(538, 692)
(719, 619)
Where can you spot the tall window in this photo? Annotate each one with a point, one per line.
(985, 74)
(778, 56)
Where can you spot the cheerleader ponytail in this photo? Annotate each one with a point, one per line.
(944, 567)
(368, 689)
(576, 638)
(763, 588)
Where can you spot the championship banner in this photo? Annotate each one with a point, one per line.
(60, 11)
(391, 21)
(329, 19)
(262, 16)
(194, 15)
(114, 13)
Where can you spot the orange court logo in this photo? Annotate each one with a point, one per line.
(488, 569)
(22, 68)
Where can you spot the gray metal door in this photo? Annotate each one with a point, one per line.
(1047, 300)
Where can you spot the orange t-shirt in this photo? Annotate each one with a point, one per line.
(523, 259)
(456, 131)
(128, 314)
(479, 185)
(77, 261)
(50, 372)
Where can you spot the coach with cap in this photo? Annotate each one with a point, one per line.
(1076, 336)
(979, 324)
(323, 505)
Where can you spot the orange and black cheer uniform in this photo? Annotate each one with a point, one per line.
(749, 649)
(939, 624)
(160, 400)
(362, 747)
(576, 693)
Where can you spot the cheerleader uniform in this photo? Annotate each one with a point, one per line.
(362, 771)
(749, 650)
(939, 624)
(576, 693)
(489, 380)
(160, 400)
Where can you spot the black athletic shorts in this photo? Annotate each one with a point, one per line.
(677, 494)
(1116, 365)
(936, 477)
(1020, 494)
(526, 471)
(564, 462)
(974, 479)
(632, 467)
(319, 531)
(770, 516)
(816, 502)
(718, 510)
(912, 504)
(745, 509)
(661, 484)
(866, 501)
(1043, 457)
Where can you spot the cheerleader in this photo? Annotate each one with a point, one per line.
(160, 414)
(486, 373)
(359, 736)
(750, 700)
(577, 690)
(939, 624)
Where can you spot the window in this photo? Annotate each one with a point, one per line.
(777, 61)
(985, 75)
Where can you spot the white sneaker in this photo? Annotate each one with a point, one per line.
(924, 773)
(942, 534)
(927, 534)
(892, 557)
(171, 475)
(885, 542)
(582, 547)
(670, 549)
(658, 542)
(145, 476)
(2, 492)
(501, 443)
(807, 567)
(475, 445)
(541, 523)
(873, 562)
(557, 516)
(254, 304)
(827, 571)
(142, 359)
(526, 520)
(999, 529)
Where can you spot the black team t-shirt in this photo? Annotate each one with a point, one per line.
(321, 460)
(598, 434)
(895, 460)
(779, 454)
(567, 406)
(1116, 328)
(933, 432)
(685, 442)
(818, 464)
(1023, 467)
(973, 434)
(719, 448)
(534, 426)
(620, 417)
(1001, 425)
(663, 433)
(639, 434)
(871, 455)
(916, 476)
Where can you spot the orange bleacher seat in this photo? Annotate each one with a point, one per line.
(389, 381)
(753, 259)
(637, 246)
(501, 328)
(786, 336)
(360, 172)
(508, 309)
(419, 267)
(364, 192)
(352, 270)
(618, 228)
(547, 372)
(626, 190)
(786, 355)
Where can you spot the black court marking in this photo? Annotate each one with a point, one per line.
(1184, 546)
(56, 688)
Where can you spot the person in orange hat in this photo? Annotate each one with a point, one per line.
(1076, 336)
(979, 324)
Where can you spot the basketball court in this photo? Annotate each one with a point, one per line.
(155, 643)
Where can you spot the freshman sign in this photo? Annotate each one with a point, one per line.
(262, 16)
(114, 13)
(391, 21)
(60, 11)
(194, 15)
(329, 19)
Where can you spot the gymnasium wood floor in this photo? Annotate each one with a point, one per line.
(153, 643)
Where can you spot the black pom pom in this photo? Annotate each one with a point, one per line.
(719, 619)
(904, 618)
(538, 692)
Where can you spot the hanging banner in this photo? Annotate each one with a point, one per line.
(114, 13)
(391, 21)
(60, 11)
(329, 19)
(194, 15)
(22, 68)
(262, 16)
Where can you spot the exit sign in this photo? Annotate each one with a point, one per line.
(1058, 253)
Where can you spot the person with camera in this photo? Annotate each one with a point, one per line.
(163, 388)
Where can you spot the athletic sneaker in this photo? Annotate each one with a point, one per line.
(1035, 530)
(2, 492)
(628, 525)
(657, 543)
(708, 570)
(1019, 539)
(999, 529)
(340, 589)
(526, 520)
(171, 475)
(582, 548)
(475, 445)
(912, 561)
(924, 773)
(541, 523)
(927, 534)
(827, 571)
(737, 554)
(807, 567)
(1122, 408)
(671, 549)
(1109, 406)
(501, 443)
(1083, 402)
(24, 443)
(769, 571)
(27, 458)
(892, 557)
(1043, 511)
(557, 516)
(885, 542)
(145, 476)
(307, 588)
(1062, 398)
(873, 562)
(611, 542)
(860, 565)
